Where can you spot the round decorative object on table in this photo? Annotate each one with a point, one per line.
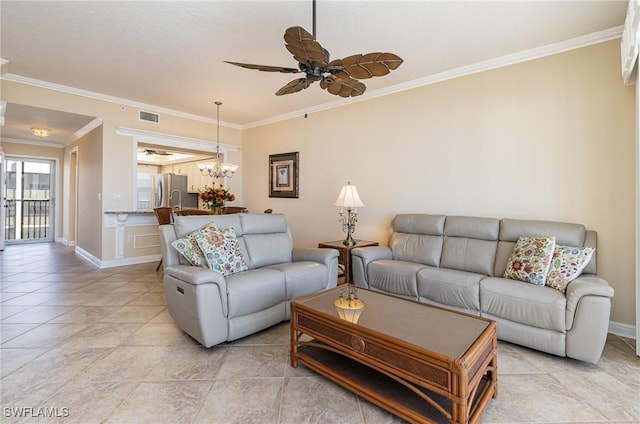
(358, 344)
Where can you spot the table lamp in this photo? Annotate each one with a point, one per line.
(349, 199)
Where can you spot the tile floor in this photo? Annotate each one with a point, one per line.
(98, 346)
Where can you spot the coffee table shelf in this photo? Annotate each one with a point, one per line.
(400, 372)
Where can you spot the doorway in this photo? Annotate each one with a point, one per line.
(29, 200)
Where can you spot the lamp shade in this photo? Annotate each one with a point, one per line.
(349, 198)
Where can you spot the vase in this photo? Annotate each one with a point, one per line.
(216, 210)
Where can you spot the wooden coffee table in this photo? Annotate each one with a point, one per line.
(419, 362)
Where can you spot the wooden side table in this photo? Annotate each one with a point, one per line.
(344, 257)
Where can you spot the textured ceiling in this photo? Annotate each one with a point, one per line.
(170, 54)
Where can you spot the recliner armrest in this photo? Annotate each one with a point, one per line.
(361, 257)
(323, 256)
(198, 276)
(372, 253)
(327, 257)
(170, 256)
(585, 285)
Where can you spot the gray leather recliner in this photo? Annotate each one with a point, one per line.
(213, 309)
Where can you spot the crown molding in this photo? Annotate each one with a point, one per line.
(86, 129)
(487, 65)
(49, 143)
(173, 141)
(112, 99)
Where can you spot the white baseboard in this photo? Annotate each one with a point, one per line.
(130, 261)
(116, 262)
(622, 330)
(65, 242)
(88, 256)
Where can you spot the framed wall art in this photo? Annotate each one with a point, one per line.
(283, 175)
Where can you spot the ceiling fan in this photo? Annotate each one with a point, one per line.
(339, 76)
(150, 152)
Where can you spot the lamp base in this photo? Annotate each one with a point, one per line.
(349, 242)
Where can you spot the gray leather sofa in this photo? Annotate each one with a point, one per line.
(458, 263)
(214, 309)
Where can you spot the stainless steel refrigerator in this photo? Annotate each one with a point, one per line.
(171, 190)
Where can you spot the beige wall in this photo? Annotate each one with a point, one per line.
(548, 139)
(71, 180)
(90, 175)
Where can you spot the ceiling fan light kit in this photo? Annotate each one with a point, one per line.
(338, 77)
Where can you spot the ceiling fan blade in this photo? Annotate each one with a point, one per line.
(294, 86)
(368, 65)
(150, 152)
(343, 87)
(266, 68)
(304, 48)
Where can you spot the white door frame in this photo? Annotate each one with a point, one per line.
(52, 195)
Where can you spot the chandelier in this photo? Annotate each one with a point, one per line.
(218, 169)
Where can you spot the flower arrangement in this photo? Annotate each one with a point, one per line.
(214, 198)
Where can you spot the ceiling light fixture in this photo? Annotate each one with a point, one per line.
(218, 169)
(40, 132)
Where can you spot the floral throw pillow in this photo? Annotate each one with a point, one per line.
(221, 250)
(189, 249)
(530, 259)
(567, 264)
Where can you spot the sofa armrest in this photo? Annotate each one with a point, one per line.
(372, 253)
(327, 257)
(198, 276)
(585, 285)
(323, 256)
(170, 256)
(360, 259)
